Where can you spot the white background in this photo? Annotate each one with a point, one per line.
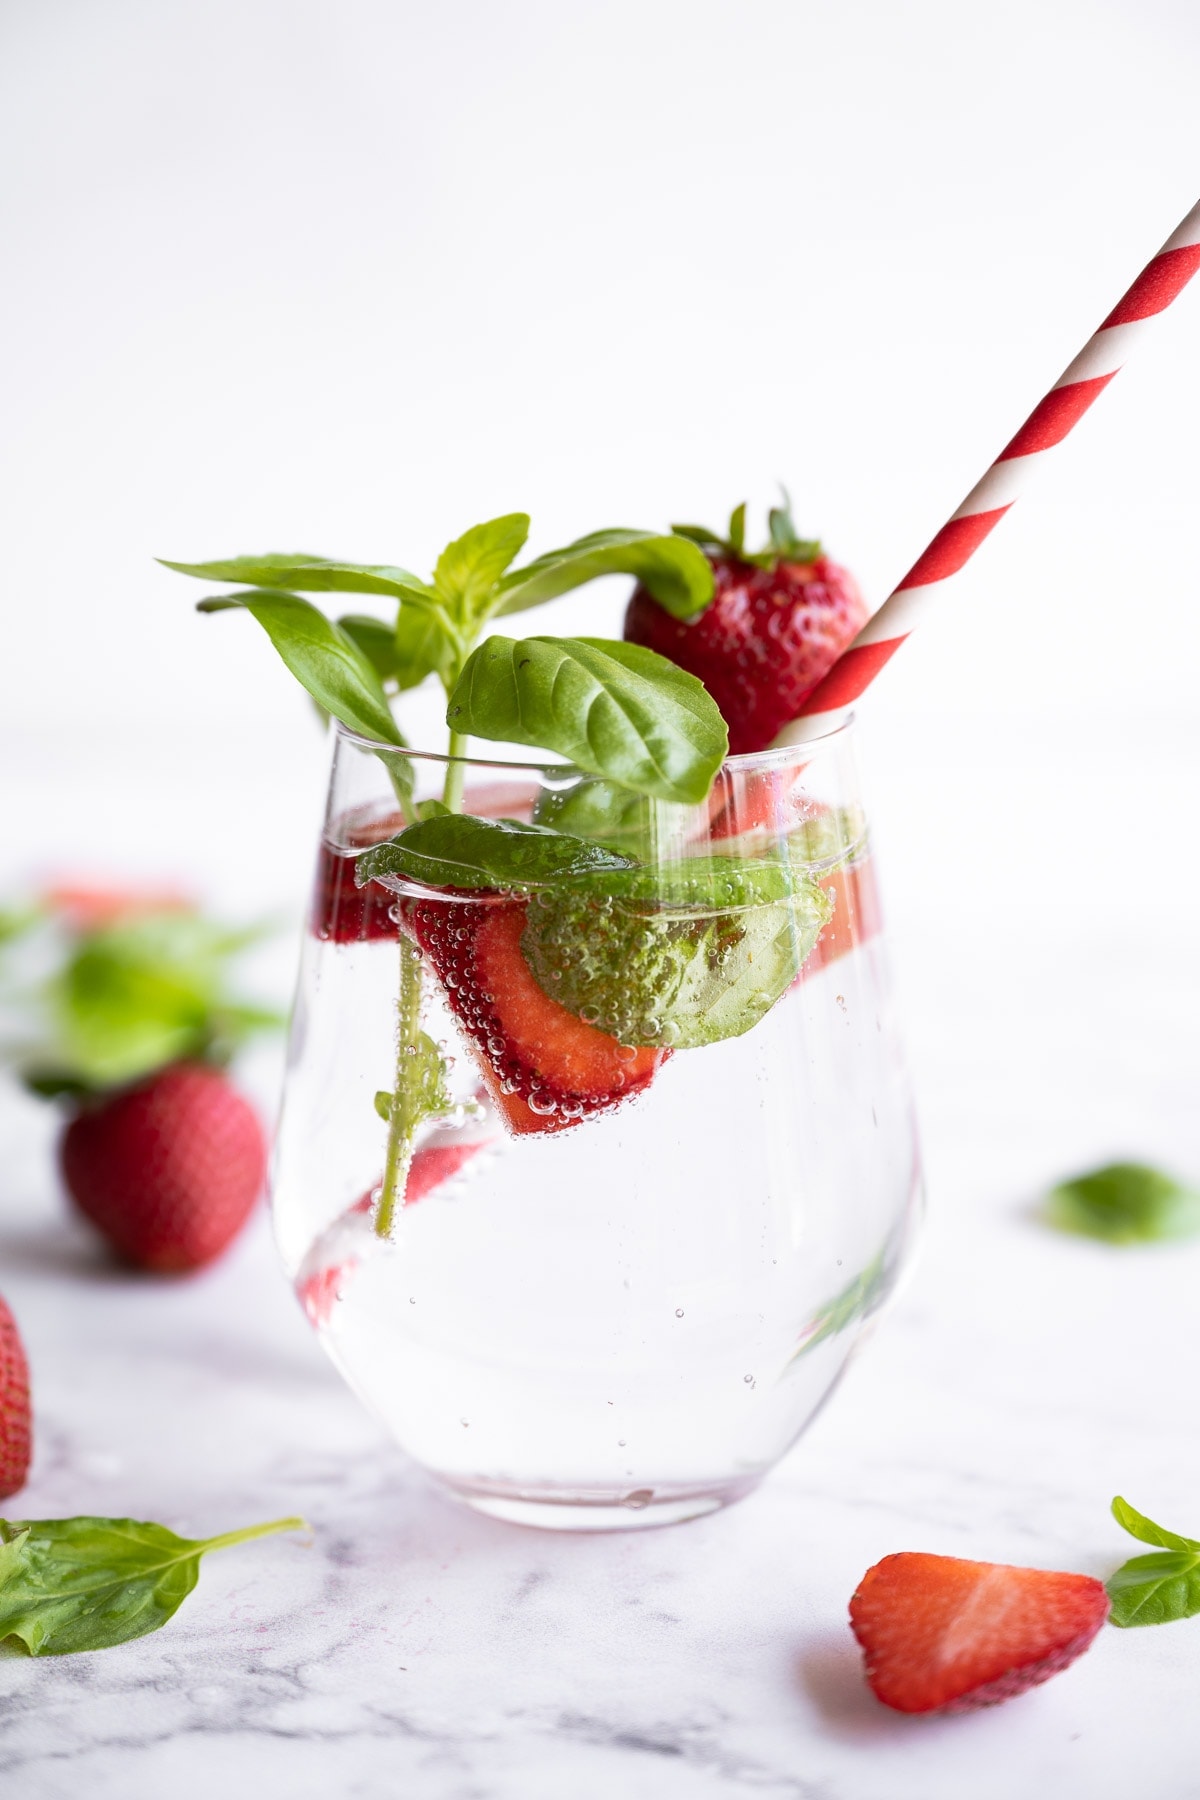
(349, 278)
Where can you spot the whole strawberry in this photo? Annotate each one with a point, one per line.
(167, 1170)
(778, 619)
(16, 1419)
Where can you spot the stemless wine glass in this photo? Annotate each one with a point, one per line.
(626, 1268)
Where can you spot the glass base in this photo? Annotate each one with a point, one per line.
(598, 1509)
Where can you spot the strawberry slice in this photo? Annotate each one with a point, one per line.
(940, 1634)
(544, 1067)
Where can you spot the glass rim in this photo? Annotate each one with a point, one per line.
(741, 762)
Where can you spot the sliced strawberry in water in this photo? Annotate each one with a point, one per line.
(856, 915)
(545, 1067)
(940, 1634)
(342, 913)
(432, 1167)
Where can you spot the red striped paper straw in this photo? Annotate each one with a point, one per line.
(1047, 425)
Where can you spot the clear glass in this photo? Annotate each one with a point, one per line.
(617, 1294)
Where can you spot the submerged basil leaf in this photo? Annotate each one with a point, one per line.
(610, 814)
(86, 1584)
(325, 659)
(458, 851)
(1125, 1203)
(677, 573)
(1154, 1590)
(611, 708)
(683, 955)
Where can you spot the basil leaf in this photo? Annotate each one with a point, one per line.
(680, 956)
(375, 638)
(310, 575)
(1125, 1203)
(86, 1584)
(611, 708)
(609, 814)
(469, 568)
(1155, 1590)
(676, 572)
(323, 657)
(456, 850)
(425, 1081)
(1147, 1532)
(423, 644)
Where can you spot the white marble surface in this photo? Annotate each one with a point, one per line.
(1045, 946)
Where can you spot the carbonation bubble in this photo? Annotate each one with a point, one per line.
(542, 1104)
(679, 1312)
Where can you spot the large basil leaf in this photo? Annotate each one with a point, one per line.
(677, 573)
(310, 575)
(458, 851)
(683, 955)
(86, 1584)
(323, 657)
(424, 644)
(611, 708)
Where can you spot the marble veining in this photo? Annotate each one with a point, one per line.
(409, 1647)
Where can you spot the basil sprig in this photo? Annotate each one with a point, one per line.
(86, 1583)
(1158, 1589)
(348, 666)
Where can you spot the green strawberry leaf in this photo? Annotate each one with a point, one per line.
(611, 708)
(682, 955)
(310, 575)
(324, 658)
(675, 571)
(469, 568)
(86, 1583)
(458, 851)
(1125, 1203)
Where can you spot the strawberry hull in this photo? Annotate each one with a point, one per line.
(545, 1068)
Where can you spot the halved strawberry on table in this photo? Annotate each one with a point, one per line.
(778, 620)
(544, 1066)
(941, 1634)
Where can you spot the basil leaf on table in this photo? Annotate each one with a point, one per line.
(456, 850)
(323, 657)
(677, 573)
(1154, 1590)
(610, 708)
(1125, 1203)
(86, 1583)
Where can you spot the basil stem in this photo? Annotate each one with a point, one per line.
(405, 1112)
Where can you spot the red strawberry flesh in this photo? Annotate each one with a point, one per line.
(763, 644)
(940, 1634)
(167, 1170)
(544, 1067)
(16, 1416)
